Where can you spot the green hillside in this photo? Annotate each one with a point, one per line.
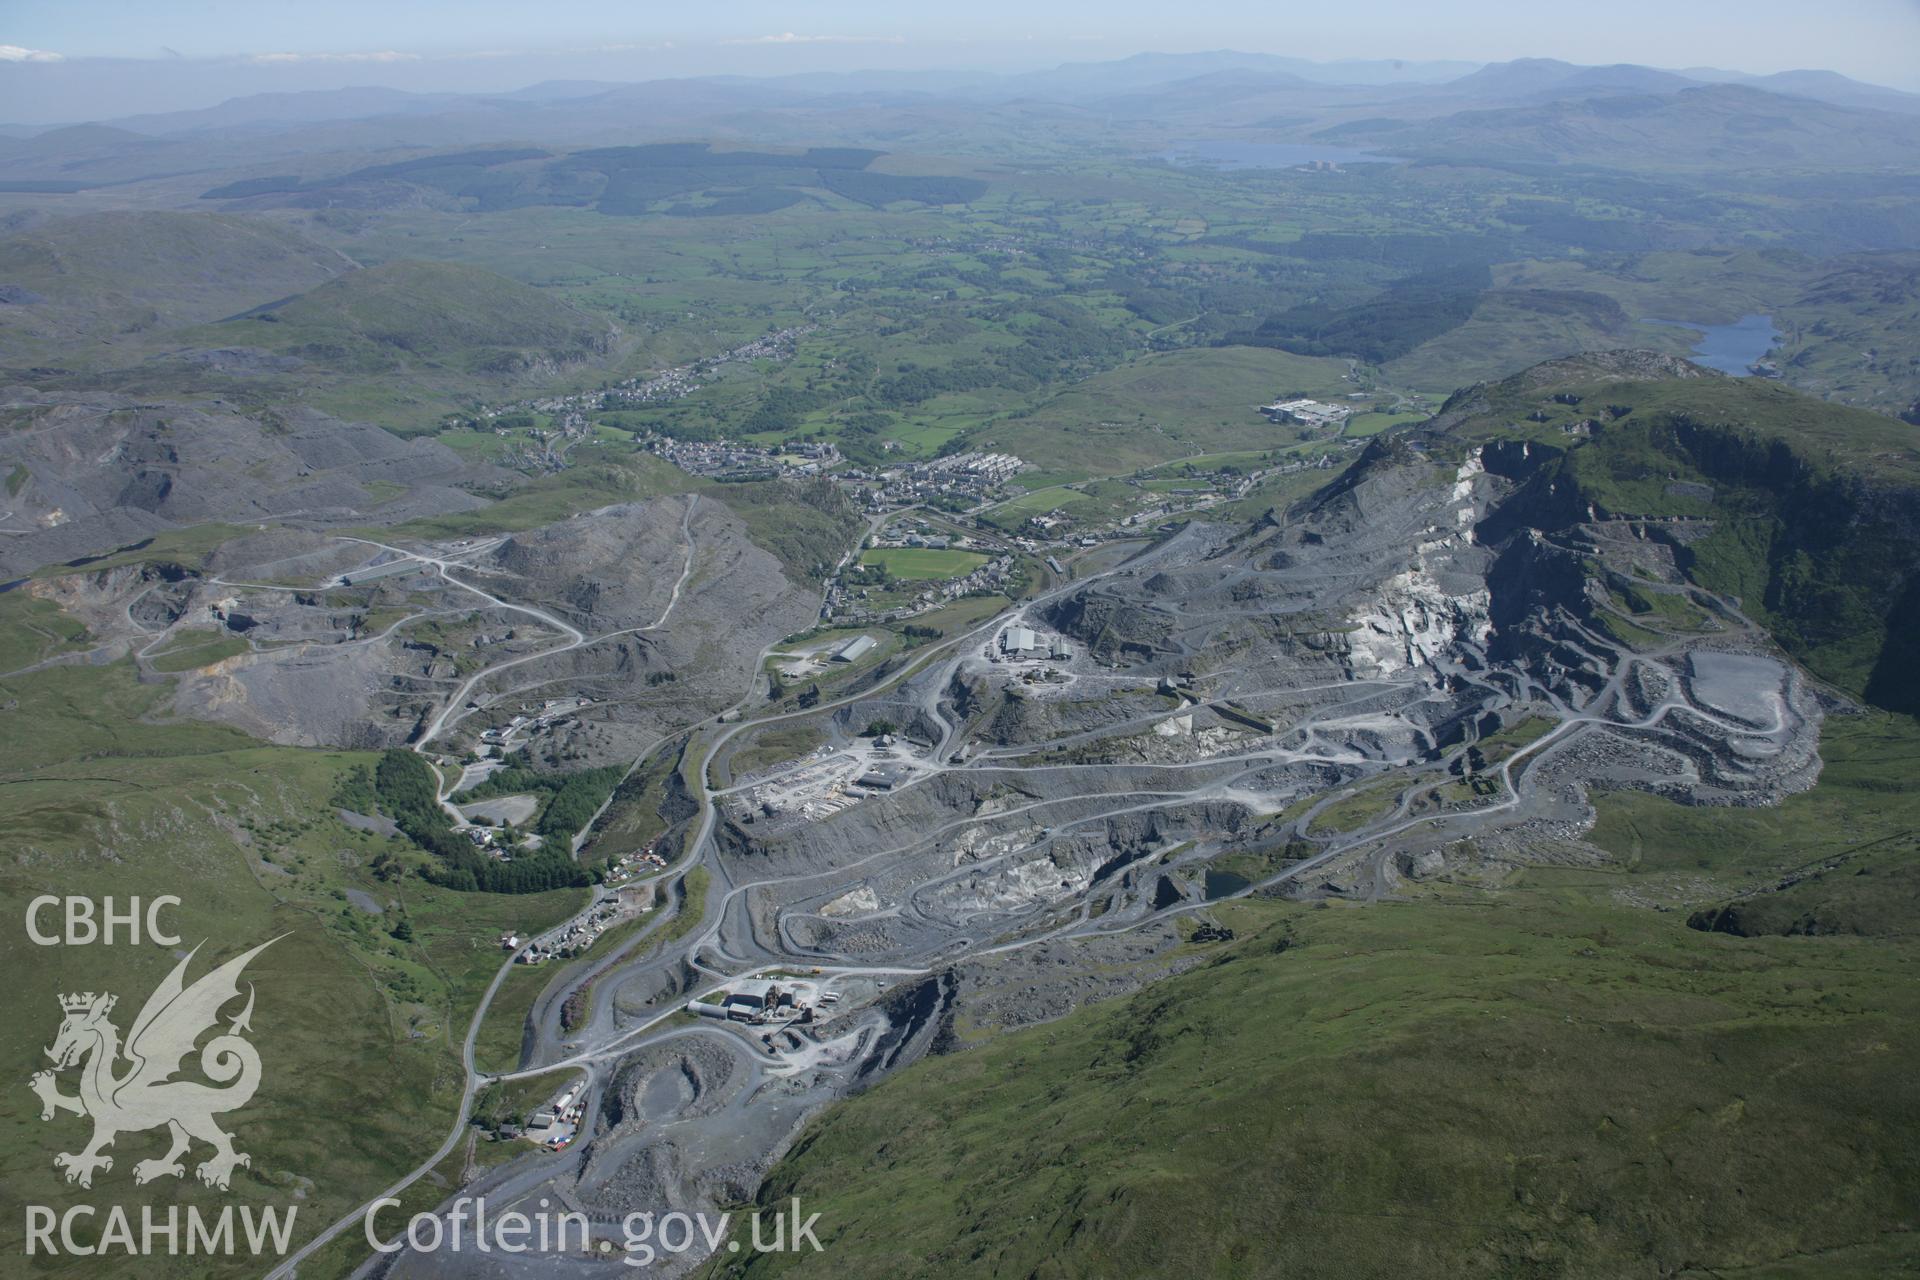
(153, 254)
(1808, 512)
(1160, 407)
(359, 1021)
(442, 315)
(106, 276)
(1536, 1080)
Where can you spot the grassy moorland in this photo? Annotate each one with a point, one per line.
(358, 1018)
(33, 629)
(110, 275)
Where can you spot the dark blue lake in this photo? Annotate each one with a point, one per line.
(1264, 155)
(1221, 884)
(1730, 348)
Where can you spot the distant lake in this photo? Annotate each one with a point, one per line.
(1730, 348)
(1264, 155)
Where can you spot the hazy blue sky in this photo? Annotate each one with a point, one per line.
(1754, 34)
(493, 44)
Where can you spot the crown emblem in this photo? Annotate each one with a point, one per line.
(80, 1002)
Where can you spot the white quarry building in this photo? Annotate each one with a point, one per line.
(1307, 413)
(1019, 641)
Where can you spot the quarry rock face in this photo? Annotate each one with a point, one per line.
(1371, 630)
(1409, 676)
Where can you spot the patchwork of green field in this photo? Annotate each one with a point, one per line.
(934, 321)
(941, 342)
(1092, 502)
(1161, 408)
(918, 564)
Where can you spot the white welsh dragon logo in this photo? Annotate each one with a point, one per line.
(145, 1095)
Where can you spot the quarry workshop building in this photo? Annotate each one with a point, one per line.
(1020, 642)
(854, 649)
(884, 777)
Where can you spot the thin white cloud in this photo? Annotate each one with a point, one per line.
(789, 37)
(382, 55)
(14, 53)
(532, 52)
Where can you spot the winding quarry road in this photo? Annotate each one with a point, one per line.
(575, 639)
(1332, 738)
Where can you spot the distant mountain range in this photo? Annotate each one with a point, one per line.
(1700, 126)
(1438, 85)
(1545, 78)
(1534, 110)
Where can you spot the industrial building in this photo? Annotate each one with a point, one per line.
(1307, 413)
(758, 1000)
(854, 649)
(753, 995)
(1020, 642)
(884, 777)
